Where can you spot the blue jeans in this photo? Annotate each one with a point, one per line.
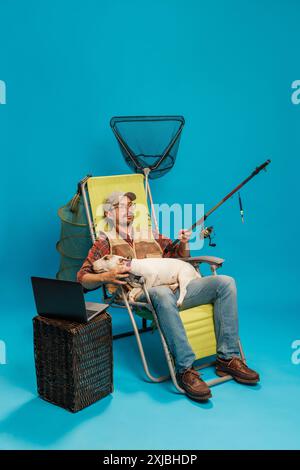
(218, 290)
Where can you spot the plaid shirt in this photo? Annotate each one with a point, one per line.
(101, 248)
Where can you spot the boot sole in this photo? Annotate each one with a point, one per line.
(237, 379)
(198, 398)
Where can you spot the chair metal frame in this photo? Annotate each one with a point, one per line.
(214, 263)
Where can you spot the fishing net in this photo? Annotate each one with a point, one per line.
(148, 141)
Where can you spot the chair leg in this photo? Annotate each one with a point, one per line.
(242, 352)
(168, 355)
(144, 328)
(139, 343)
(216, 381)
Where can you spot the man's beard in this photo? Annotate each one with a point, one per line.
(126, 223)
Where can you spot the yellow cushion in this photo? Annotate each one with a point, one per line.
(199, 325)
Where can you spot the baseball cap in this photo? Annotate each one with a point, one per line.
(114, 198)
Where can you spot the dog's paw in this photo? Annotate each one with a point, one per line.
(179, 303)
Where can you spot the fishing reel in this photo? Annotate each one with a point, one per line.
(207, 232)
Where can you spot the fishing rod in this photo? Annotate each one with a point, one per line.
(207, 231)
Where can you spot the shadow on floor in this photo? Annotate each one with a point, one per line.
(43, 424)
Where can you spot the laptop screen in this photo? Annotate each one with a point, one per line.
(58, 298)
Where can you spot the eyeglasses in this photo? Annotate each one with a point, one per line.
(130, 205)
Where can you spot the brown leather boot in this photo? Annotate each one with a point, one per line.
(193, 385)
(237, 369)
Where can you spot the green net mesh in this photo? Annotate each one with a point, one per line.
(148, 141)
(75, 240)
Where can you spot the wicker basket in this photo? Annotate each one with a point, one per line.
(74, 361)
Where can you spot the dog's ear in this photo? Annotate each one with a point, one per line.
(100, 271)
(106, 257)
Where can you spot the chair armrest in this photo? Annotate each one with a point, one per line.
(212, 260)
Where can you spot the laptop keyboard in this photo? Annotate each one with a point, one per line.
(94, 308)
(90, 312)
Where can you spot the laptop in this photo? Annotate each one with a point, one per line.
(63, 299)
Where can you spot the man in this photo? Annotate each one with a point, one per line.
(219, 290)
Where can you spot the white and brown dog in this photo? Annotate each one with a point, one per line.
(155, 271)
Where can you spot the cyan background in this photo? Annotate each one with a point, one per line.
(227, 66)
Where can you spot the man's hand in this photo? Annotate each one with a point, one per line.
(184, 235)
(183, 249)
(116, 275)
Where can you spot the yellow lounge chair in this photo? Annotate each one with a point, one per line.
(198, 321)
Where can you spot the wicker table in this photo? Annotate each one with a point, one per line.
(74, 361)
